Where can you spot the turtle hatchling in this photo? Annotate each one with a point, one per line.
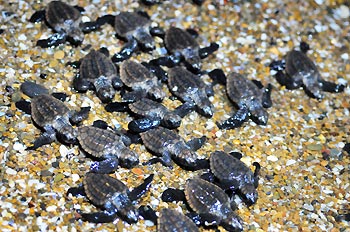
(251, 99)
(210, 204)
(106, 145)
(135, 28)
(141, 81)
(98, 72)
(169, 145)
(65, 20)
(55, 118)
(182, 46)
(233, 174)
(191, 89)
(152, 114)
(112, 195)
(298, 70)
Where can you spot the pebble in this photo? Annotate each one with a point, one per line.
(11, 171)
(75, 177)
(59, 55)
(18, 146)
(314, 147)
(290, 162)
(272, 158)
(344, 11)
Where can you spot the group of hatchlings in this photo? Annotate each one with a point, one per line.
(208, 197)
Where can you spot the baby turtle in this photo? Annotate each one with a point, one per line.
(182, 46)
(112, 195)
(191, 89)
(65, 20)
(233, 174)
(250, 98)
(135, 28)
(106, 145)
(51, 115)
(152, 114)
(169, 145)
(142, 82)
(211, 205)
(301, 71)
(97, 71)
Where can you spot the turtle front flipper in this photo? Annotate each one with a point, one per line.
(81, 115)
(203, 219)
(76, 191)
(331, 87)
(46, 138)
(138, 191)
(206, 51)
(105, 166)
(168, 61)
(172, 194)
(196, 143)
(126, 52)
(24, 106)
(98, 217)
(53, 41)
(266, 97)
(38, 16)
(236, 120)
(143, 124)
(148, 213)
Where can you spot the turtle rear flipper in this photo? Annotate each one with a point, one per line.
(138, 191)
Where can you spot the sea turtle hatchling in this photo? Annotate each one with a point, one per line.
(251, 99)
(98, 72)
(173, 220)
(182, 46)
(298, 70)
(141, 81)
(55, 118)
(135, 28)
(112, 195)
(152, 114)
(169, 145)
(191, 89)
(232, 174)
(106, 145)
(65, 20)
(211, 205)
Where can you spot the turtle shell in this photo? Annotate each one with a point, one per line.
(183, 83)
(177, 39)
(148, 108)
(158, 139)
(134, 74)
(45, 110)
(96, 64)
(297, 62)
(230, 170)
(100, 188)
(103, 143)
(127, 22)
(173, 220)
(240, 89)
(62, 16)
(205, 197)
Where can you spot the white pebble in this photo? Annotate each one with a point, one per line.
(63, 150)
(75, 177)
(345, 56)
(319, 2)
(22, 37)
(149, 223)
(290, 162)
(272, 158)
(51, 208)
(344, 11)
(11, 171)
(18, 146)
(218, 134)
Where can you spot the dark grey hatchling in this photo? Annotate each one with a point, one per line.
(98, 72)
(232, 174)
(111, 195)
(170, 146)
(298, 70)
(209, 203)
(51, 115)
(141, 81)
(109, 146)
(173, 220)
(251, 99)
(189, 88)
(65, 20)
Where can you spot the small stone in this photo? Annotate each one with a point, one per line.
(272, 158)
(345, 56)
(59, 55)
(75, 177)
(18, 146)
(58, 177)
(344, 11)
(45, 173)
(11, 171)
(290, 162)
(314, 147)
